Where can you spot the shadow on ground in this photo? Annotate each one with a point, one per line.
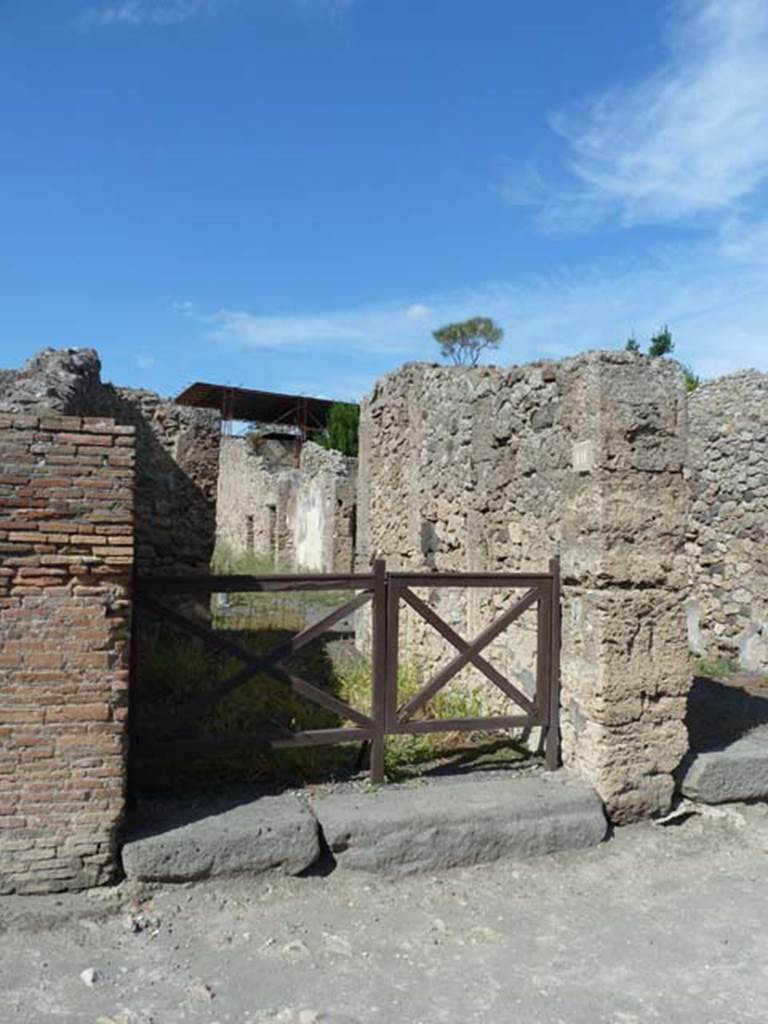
(719, 712)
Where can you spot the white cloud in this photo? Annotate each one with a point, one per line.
(418, 311)
(373, 329)
(713, 295)
(145, 361)
(690, 139)
(687, 143)
(134, 13)
(334, 8)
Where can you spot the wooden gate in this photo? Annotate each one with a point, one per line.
(387, 592)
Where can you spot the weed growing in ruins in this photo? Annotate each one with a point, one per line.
(174, 669)
(249, 610)
(406, 754)
(227, 561)
(715, 668)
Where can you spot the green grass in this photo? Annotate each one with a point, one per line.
(716, 668)
(246, 563)
(174, 668)
(286, 609)
(406, 753)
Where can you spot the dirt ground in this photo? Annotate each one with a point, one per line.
(660, 924)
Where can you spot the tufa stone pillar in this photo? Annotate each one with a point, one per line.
(625, 673)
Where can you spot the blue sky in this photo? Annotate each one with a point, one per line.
(292, 194)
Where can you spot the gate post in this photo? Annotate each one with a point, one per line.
(379, 659)
(552, 750)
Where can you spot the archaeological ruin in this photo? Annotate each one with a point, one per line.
(500, 469)
(293, 504)
(655, 501)
(727, 460)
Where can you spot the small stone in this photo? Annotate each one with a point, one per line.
(201, 991)
(296, 948)
(90, 977)
(482, 934)
(338, 944)
(309, 1017)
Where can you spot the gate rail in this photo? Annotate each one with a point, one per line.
(386, 592)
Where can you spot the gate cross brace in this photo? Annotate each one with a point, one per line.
(253, 664)
(442, 627)
(469, 652)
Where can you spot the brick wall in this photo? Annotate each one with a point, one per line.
(177, 465)
(66, 560)
(177, 452)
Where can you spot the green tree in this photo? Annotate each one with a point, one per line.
(341, 430)
(463, 342)
(661, 343)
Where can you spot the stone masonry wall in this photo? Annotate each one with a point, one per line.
(298, 516)
(486, 469)
(625, 664)
(248, 498)
(66, 560)
(728, 538)
(325, 510)
(462, 471)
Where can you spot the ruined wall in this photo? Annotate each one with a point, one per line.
(177, 452)
(490, 470)
(324, 514)
(296, 515)
(62, 380)
(177, 461)
(625, 661)
(66, 560)
(248, 494)
(462, 471)
(728, 539)
(67, 514)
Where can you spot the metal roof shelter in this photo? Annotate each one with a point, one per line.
(308, 414)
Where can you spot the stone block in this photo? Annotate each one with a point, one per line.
(275, 832)
(737, 772)
(450, 823)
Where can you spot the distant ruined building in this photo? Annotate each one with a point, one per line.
(280, 495)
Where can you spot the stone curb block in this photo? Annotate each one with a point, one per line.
(407, 829)
(737, 772)
(273, 832)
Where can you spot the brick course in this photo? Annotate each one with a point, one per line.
(66, 562)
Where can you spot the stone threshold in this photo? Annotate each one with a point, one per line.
(396, 829)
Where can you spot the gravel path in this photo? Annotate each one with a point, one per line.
(662, 924)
